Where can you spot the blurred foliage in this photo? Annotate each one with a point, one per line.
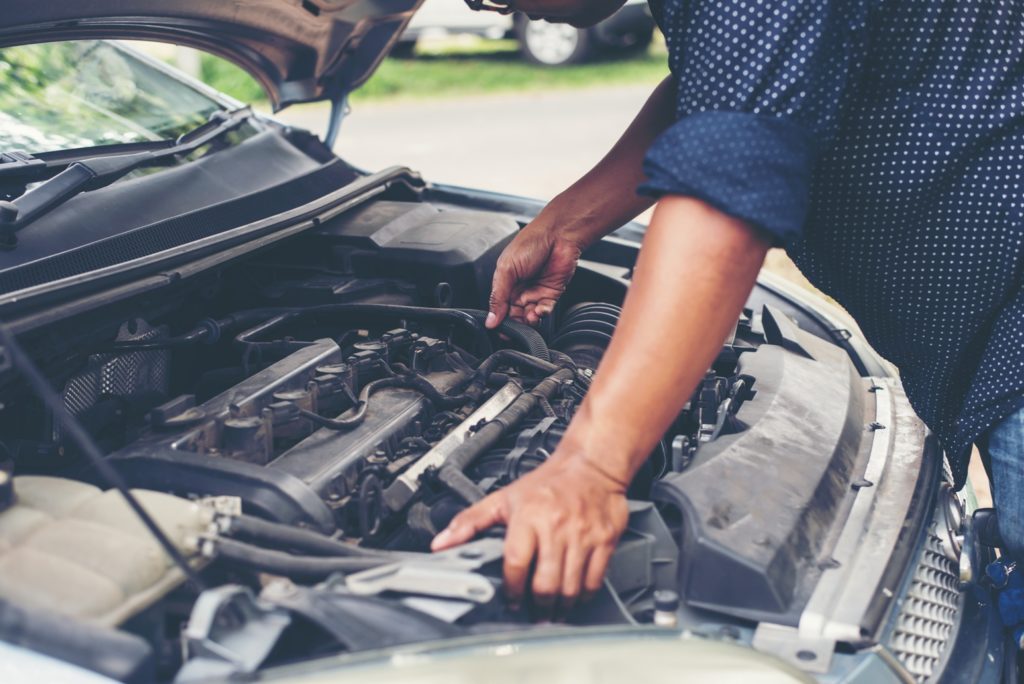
(229, 79)
(84, 93)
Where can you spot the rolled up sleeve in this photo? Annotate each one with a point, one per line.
(761, 86)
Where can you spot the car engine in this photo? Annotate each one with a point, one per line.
(302, 423)
(379, 432)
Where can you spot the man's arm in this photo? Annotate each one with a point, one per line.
(535, 268)
(606, 198)
(695, 271)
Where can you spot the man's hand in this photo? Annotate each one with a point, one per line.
(567, 513)
(531, 274)
(533, 270)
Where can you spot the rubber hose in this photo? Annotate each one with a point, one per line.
(271, 317)
(287, 537)
(349, 423)
(424, 387)
(208, 332)
(515, 358)
(487, 436)
(532, 341)
(282, 315)
(412, 382)
(484, 375)
(458, 483)
(310, 568)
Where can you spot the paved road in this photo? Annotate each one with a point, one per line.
(531, 144)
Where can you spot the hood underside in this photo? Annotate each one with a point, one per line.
(299, 50)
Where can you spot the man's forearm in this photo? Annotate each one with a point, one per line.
(695, 271)
(605, 198)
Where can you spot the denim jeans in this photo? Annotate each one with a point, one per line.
(1003, 452)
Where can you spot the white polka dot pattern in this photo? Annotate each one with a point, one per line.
(890, 168)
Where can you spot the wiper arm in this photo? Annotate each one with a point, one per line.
(89, 174)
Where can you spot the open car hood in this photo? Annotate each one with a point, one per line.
(299, 50)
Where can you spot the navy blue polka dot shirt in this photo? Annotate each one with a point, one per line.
(882, 143)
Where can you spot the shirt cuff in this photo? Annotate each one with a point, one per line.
(755, 168)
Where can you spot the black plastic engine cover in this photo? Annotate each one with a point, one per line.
(423, 244)
(758, 504)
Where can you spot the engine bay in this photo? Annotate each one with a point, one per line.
(327, 407)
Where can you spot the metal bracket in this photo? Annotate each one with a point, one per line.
(469, 556)
(339, 110)
(781, 330)
(424, 579)
(229, 632)
(811, 654)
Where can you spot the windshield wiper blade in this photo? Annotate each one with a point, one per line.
(89, 174)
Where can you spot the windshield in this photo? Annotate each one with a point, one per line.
(73, 94)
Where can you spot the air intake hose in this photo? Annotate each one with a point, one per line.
(524, 336)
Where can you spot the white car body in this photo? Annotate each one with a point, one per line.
(453, 17)
(541, 42)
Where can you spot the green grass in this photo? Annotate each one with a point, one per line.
(501, 69)
(464, 68)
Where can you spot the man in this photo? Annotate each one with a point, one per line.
(882, 143)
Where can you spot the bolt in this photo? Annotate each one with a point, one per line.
(829, 564)
(278, 588)
(730, 632)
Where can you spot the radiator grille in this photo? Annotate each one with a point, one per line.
(925, 624)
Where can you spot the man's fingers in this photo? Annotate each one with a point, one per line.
(596, 567)
(477, 518)
(501, 295)
(533, 307)
(547, 573)
(576, 557)
(520, 546)
(542, 297)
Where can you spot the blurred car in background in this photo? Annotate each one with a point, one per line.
(627, 31)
